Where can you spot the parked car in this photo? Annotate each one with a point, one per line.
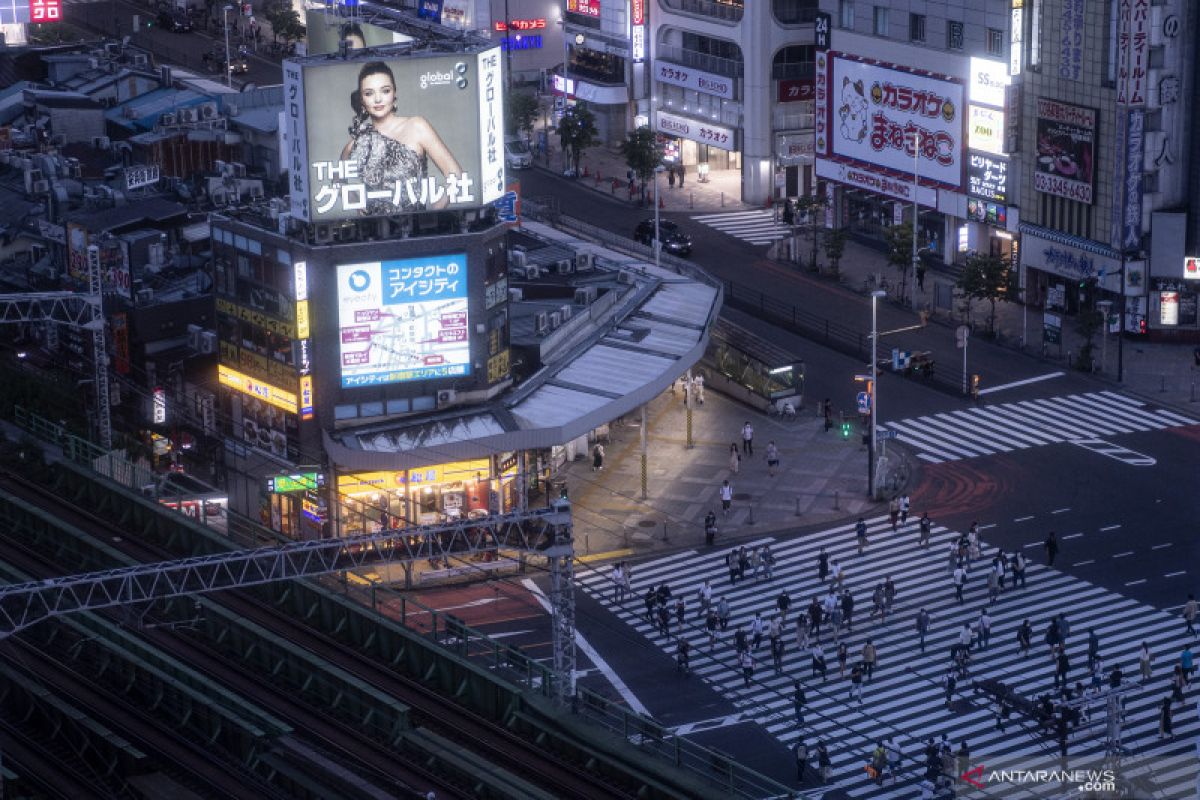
(517, 154)
(174, 20)
(674, 241)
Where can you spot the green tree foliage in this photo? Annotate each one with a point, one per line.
(810, 209)
(835, 248)
(986, 277)
(642, 153)
(521, 111)
(576, 133)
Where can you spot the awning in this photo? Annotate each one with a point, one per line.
(196, 232)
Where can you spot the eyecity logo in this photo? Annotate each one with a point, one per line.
(458, 77)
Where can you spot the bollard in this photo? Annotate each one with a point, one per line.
(691, 199)
(836, 500)
(587, 545)
(665, 539)
(797, 506)
(750, 521)
(722, 199)
(1162, 385)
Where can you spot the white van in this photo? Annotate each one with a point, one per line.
(517, 154)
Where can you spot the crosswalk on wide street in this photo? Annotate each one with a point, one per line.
(1004, 427)
(906, 698)
(756, 227)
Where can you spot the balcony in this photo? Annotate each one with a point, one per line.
(792, 70)
(723, 10)
(702, 61)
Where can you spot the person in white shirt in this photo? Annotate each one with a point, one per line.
(726, 497)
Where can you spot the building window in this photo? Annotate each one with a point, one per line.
(916, 27)
(954, 35)
(846, 14)
(995, 42)
(879, 21)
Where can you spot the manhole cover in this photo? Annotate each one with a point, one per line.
(741, 496)
(647, 523)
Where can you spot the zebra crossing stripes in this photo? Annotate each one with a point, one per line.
(756, 227)
(1002, 428)
(906, 699)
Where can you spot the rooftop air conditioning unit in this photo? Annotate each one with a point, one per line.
(140, 60)
(565, 267)
(542, 323)
(565, 312)
(585, 295)
(232, 109)
(194, 332)
(446, 397)
(627, 277)
(145, 295)
(555, 320)
(219, 166)
(322, 234)
(100, 142)
(517, 257)
(516, 295)
(208, 342)
(41, 187)
(531, 272)
(239, 169)
(167, 119)
(584, 261)
(208, 111)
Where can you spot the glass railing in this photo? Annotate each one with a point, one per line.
(690, 58)
(712, 9)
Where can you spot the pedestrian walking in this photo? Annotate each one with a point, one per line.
(735, 459)
(925, 525)
(848, 609)
(1024, 638)
(1051, 546)
(860, 534)
(704, 598)
(889, 594)
(783, 602)
(743, 561)
(922, 627)
(755, 561)
(993, 585)
(1145, 662)
(824, 763)
(723, 613)
(814, 619)
(878, 764)
(711, 623)
(950, 682)
(818, 661)
(973, 547)
(1018, 567)
(799, 700)
(698, 388)
(869, 658)
(746, 662)
(731, 563)
(740, 640)
(985, 629)
(905, 504)
(877, 600)
(894, 512)
(843, 655)
(835, 622)
(837, 574)
(680, 611)
(597, 457)
(768, 562)
(822, 565)
(1189, 614)
(682, 174)
(1062, 666)
(856, 683)
(726, 499)
(960, 581)
(801, 751)
(757, 628)
(671, 176)
(772, 458)
(618, 582)
(651, 600)
(1164, 719)
(748, 439)
(1093, 649)
(1187, 662)
(1001, 566)
(777, 648)
(664, 620)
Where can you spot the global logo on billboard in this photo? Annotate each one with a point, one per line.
(458, 77)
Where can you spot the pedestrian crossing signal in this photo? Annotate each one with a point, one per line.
(845, 430)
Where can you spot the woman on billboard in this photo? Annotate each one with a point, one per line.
(392, 150)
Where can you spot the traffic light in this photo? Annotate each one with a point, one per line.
(845, 429)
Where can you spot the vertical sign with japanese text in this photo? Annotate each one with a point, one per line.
(1133, 45)
(1070, 61)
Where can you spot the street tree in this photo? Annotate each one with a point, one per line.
(899, 250)
(986, 277)
(521, 111)
(811, 209)
(287, 26)
(642, 153)
(576, 133)
(835, 248)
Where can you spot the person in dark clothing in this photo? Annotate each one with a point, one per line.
(848, 609)
(1051, 545)
(799, 699)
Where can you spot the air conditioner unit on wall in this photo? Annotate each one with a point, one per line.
(208, 342)
(322, 234)
(565, 312)
(193, 333)
(555, 320)
(517, 258)
(531, 272)
(542, 322)
(584, 261)
(565, 266)
(516, 295)
(446, 397)
(585, 295)
(627, 277)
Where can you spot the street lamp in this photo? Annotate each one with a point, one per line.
(916, 211)
(871, 460)
(228, 65)
(657, 241)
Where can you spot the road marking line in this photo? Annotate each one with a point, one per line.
(1060, 511)
(1161, 546)
(1123, 555)
(1022, 519)
(1032, 544)
(597, 661)
(1025, 382)
(1109, 528)
(1081, 563)
(1135, 583)
(985, 527)
(1073, 536)
(1173, 574)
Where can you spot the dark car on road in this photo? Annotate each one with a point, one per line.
(215, 60)
(674, 241)
(172, 19)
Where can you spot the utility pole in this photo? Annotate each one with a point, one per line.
(874, 389)
(916, 214)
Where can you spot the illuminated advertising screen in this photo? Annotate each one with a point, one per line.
(22, 12)
(403, 320)
(588, 8)
(1066, 137)
(325, 33)
(375, 136)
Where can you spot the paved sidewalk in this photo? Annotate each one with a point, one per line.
(821, 477)
(1164, 372)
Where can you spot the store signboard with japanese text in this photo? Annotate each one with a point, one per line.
(23, 12)
(987, 177)
(985, 129)
(688, 78)
(989, 81)
(403, 320)
(794, 90)
(1070, 39)
(703, 132)
(874, 181)
(588, 8)
(1133, 51)
(271, 395)
(876, 111)
(376, 136)
(1066, 139)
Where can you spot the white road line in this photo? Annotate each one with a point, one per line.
(1173, 574)
(593, 656)
(1060, 511)
(1109, 528)
(1124, 555)
(1135, 583)
(1032, 544)
(1025, 382)
(1022, 519)
(1161, 546)
(1073, 536)
(1081, 563)
(985, 527)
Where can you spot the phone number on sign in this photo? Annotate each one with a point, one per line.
(1053, 184)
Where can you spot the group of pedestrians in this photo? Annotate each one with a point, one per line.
(755, 560)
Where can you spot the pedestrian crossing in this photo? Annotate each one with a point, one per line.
(756, 227)
(906, 698)
(1002, 428)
